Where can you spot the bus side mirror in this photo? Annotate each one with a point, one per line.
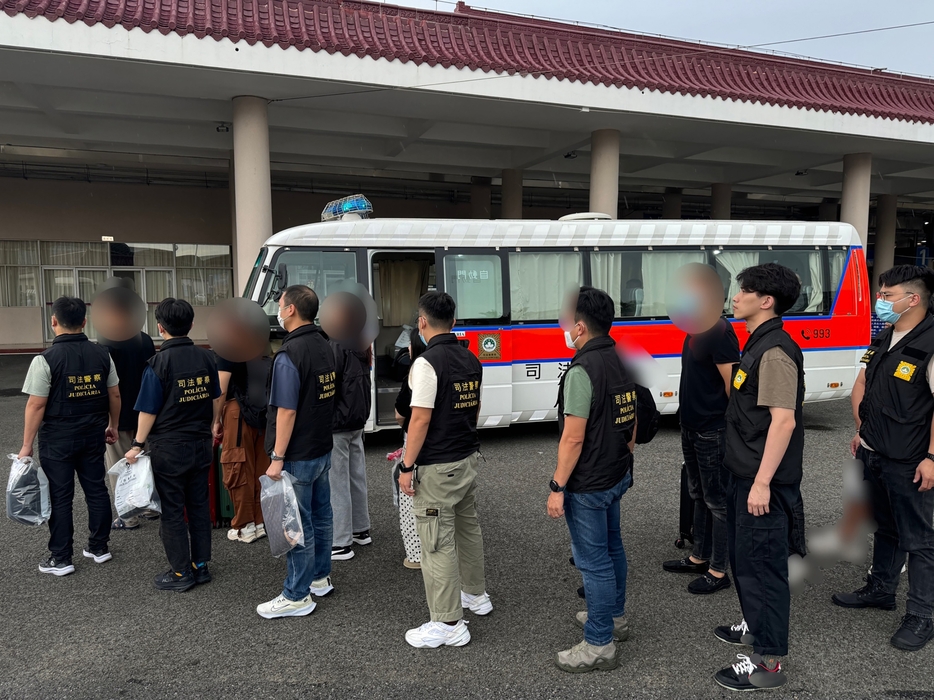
(282, 276)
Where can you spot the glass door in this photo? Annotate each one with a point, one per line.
(157, 285)
(89, 281)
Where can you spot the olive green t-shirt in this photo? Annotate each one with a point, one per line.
(578, 393)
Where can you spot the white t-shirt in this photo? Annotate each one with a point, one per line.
(896, 337)
(423, 381)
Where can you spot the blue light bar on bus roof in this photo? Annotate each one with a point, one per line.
(354, 204)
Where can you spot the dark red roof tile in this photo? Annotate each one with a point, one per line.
(506, 44)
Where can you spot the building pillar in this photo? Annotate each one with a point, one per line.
(854, 205)
(604, 172)
(512, 194)
(828, 210)
(251, 181)
(481, 198)
(721, 201)
(884, 247)
(671, 204)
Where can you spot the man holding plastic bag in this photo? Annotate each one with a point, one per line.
(179, 402)
(299, 440)
(73, 406)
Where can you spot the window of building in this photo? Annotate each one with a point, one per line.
(540, 282)
(476, 283)
(19, 273)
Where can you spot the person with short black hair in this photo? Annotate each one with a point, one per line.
(893, 407)
(597, 424)
(439, 471)
(74, 407)
(180, 404)
(299, 440)
(764, 454)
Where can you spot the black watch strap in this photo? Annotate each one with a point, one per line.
(931, 456)
(140, 445)
(406, 470)
(553, 485)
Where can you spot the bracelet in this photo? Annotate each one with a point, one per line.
(406, 470)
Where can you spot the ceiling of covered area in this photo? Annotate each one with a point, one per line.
(81, 110)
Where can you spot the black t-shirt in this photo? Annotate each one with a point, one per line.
(130, 357)
(237, 375)
(703, 396)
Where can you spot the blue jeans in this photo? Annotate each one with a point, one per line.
(597, 545)
(707, 484)
(311, 561)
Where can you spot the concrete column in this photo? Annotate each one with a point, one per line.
(721, 201)
(512, 194)
(252, 188)
(671, 205)
(828, 210)
(604, 172)
(481, 198)
(854, 206)
(884, 247)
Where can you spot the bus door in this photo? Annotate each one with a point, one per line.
(477, 279)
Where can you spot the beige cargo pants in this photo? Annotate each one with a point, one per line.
(445, 507)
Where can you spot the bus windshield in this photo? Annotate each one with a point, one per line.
(318, 269)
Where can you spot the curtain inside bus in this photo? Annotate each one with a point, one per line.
(401, 283)
(657, 269)
(540, 282)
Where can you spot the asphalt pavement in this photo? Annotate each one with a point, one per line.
(105, 632)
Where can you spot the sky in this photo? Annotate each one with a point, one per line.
(749, 22)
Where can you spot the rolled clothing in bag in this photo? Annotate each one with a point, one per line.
(135, 491)
(27, 492)
(280, 513)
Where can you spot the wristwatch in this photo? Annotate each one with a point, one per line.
(405, 470)
(554, 486)
(276, 458)
(140, 445)
(931, 456)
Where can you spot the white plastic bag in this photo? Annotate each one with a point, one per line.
(280, 512)
(27, 492)
(135, 491)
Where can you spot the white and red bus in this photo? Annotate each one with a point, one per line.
(510, 278)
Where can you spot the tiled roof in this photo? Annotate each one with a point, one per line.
(501, 43)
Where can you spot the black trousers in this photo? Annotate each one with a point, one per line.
(759, 550)
(180, 470)
(61, 459)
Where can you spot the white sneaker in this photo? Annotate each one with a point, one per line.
(260, 531)
(322, 586)
(245, 534)
(281, 606)
(477, 604)
(432, 635)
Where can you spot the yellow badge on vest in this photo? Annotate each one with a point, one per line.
(739, 379)
(905, 370)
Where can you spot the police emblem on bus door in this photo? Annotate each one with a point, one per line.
(490, 347)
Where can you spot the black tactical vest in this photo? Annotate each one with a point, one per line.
(452, 432)
(78, 400)
(605, 457)
(747, 423)
(186, 373)
(897, 408)
(312, 435)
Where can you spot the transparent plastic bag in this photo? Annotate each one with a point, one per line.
(280, 512)
(27, 492)
(135, 491)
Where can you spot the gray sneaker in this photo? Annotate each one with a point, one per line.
(620, 625)
(586, 657)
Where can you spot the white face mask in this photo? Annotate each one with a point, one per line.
(569, 341)
(280, 319)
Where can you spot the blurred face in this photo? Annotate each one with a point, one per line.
(695, 298)
(238, 330)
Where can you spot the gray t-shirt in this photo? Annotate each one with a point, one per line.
(38, 380)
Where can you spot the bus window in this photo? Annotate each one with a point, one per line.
(321, 270)
(248, 290)
(808, 265)
(637, 280)
(539, 283)
(476, 283)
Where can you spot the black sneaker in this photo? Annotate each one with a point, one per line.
(914, 633)
(580, 593)
(362, 537)
(341, 553)
(750, 674)
(56, 567)
(201, 572)
(733, 634)
(869, 596)
(685, 566)
(708, 583)
(99, 555)
(173, 581)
